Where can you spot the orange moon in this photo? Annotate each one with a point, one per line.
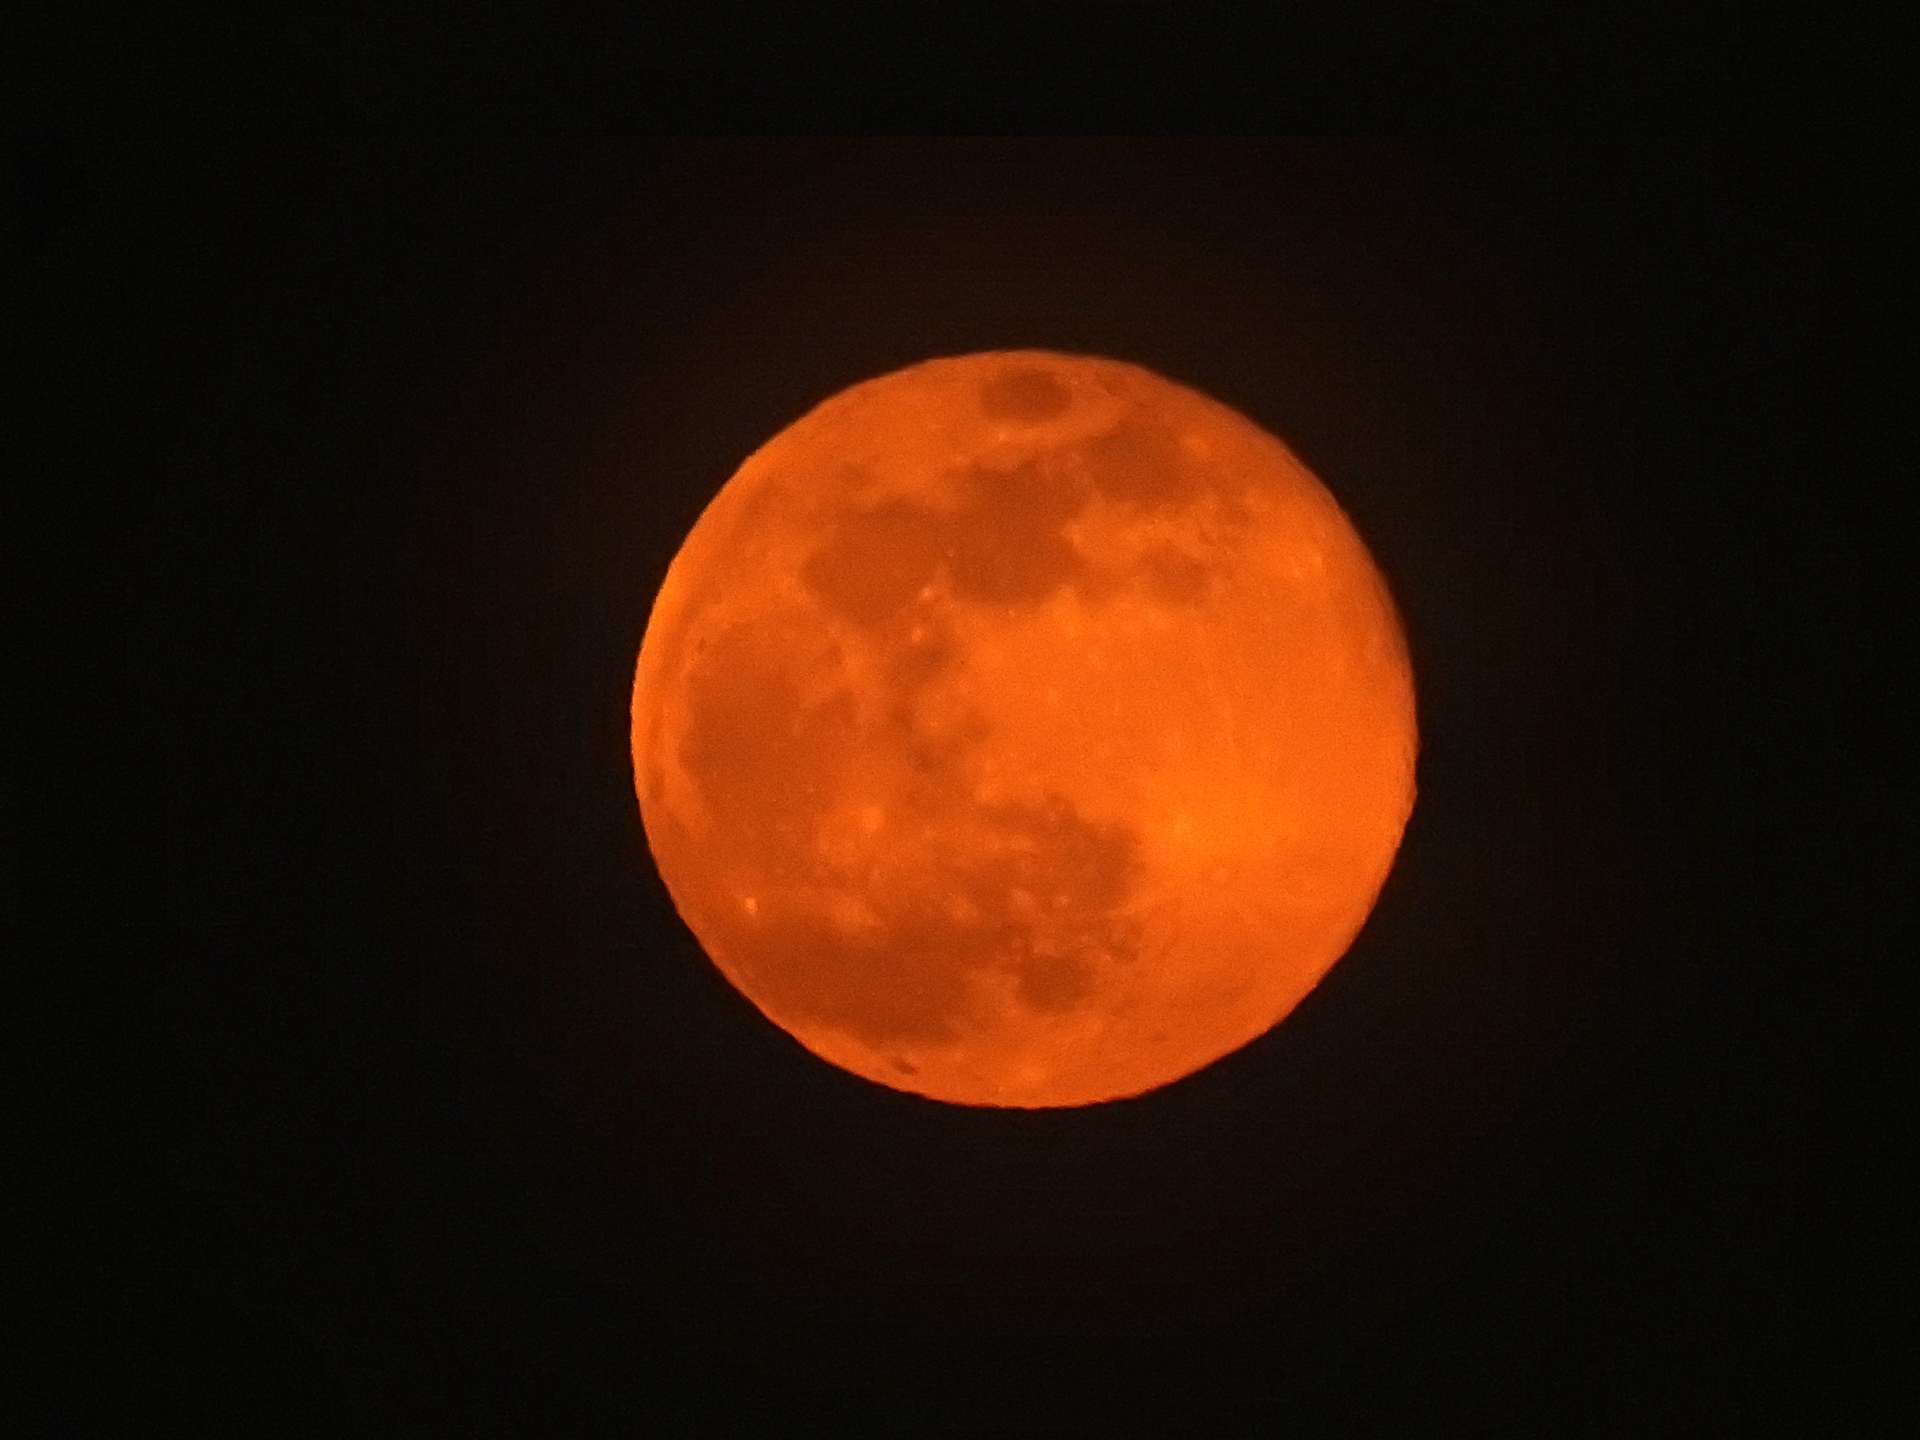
(1024, 729)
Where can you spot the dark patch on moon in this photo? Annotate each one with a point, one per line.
(918, 653)
(936, 755)
(904, 984)
(876, 562)
(1053, 984)
(1140, 463)
(1173, 577)
(1006, 546)
(1042, 908)
(1067, 857)
(761, 757)
(1024, 394)
(1009, 546)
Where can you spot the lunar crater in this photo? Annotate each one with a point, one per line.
(1025, 394)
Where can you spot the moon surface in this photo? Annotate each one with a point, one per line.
(1024, 729)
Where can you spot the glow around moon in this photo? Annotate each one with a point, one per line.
(1024, 729)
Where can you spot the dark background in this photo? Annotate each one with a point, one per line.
(414, 1107)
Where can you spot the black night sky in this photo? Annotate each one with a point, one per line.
(422, 1113)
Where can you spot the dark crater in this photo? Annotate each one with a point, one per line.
(1024, 394)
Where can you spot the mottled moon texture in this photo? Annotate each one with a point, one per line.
(1024, 729)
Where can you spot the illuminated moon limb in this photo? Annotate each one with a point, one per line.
(1024, 729)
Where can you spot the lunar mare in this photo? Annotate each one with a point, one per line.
(1024, 729)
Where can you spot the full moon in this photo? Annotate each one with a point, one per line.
(1024, 729)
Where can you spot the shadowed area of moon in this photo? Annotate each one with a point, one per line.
(1023, 729)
